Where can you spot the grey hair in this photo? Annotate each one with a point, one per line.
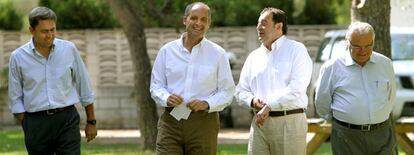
(40, 13)
(360, 28)
(190, 6)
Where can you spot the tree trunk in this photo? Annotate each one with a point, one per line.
(133, 27)
(376, 13)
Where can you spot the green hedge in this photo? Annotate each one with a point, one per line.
(10, 19)
(81, 14)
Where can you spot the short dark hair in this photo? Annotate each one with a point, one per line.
(279, 16)
(190, 6)
(40, 13)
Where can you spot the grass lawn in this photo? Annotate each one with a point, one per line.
(12, 143)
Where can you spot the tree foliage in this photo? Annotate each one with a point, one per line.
(240, 13)
(317, 12)
(81, 14)
(10, 19)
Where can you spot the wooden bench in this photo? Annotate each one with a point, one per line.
(322, 132)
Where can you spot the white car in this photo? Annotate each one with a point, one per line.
(402, 49)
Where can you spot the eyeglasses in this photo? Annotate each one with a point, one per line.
(359, 48)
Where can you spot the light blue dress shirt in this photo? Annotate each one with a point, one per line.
(356, 94)
(37, 83)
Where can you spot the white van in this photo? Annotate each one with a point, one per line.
(402, 49)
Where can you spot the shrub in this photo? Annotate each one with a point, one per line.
(10, 19)
(81, 14)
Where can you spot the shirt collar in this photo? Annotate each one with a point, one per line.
(199, 45)
(33, 49)
(277, 43)
(349, 61)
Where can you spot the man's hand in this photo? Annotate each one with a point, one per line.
(257, 103)
(19, 117)
(262, 115)
(174, 100)
(197, 105)
(90, 132)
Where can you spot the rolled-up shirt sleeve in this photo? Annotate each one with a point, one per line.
(82, 80)
(15, 85)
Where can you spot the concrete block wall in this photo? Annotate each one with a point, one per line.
(106, 55)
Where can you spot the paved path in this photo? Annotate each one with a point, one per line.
(226, 136)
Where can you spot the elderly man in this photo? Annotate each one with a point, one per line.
(356, 91)
(191, 77)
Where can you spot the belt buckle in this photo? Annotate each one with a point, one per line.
(366, 127)
(49, 112)
(284, 112)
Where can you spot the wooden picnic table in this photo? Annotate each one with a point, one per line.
(322, 131)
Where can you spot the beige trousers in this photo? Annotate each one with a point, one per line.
(284, 135)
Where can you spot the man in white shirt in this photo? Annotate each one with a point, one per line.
(357, 92)
(191, 77)
(273, 81)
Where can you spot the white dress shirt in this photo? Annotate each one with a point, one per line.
(203, 74)
(37, 83)
(356, 94)
(279, 77)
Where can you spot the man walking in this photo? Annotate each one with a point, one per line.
(357, 91)
(191, 78)
(273, 81)
(46, 78)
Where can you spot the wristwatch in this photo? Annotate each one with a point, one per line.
(92, 122)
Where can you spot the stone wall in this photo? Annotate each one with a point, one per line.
(106, 55)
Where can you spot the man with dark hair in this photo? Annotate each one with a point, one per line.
(356, 91)
(273, 82)
(191, 78)
(46, 78)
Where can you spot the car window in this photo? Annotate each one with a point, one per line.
(324, 50)
(339, 47)
(402, 46)
(328, 51)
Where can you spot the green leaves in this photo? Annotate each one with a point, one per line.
(81, 14)
(10, 19)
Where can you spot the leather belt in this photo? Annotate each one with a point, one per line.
(364, 127)
(169, 109)
(51, 111)
(285, 112)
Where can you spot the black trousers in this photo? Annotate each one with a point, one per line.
(52, 134)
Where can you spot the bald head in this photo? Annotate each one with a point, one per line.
(196, 5)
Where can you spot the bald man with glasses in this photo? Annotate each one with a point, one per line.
(356, 91)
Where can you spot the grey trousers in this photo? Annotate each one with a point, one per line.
(52, 134)
(347, 141)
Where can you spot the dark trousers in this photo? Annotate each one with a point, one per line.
(347, 141)
(195, 136)
(52, 134)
